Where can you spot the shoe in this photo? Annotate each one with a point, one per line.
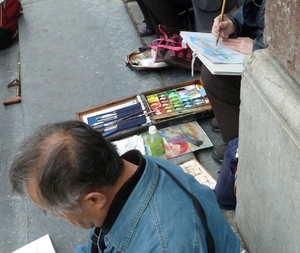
(145, 32)
(214, 125)
(218, 152)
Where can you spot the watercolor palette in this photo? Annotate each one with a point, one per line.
(163, 107)
(177, 100)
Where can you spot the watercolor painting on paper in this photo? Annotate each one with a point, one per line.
(205, 43)
(184, 138)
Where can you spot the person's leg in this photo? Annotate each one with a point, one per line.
(182, 5)
(145, 14)
(224, 95)
(166, 12)
(148, 30)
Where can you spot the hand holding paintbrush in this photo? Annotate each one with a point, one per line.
(223, 27)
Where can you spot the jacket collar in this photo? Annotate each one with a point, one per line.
(127, 220)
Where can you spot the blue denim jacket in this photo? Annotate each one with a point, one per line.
(160, 217)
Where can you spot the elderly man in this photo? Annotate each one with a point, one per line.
(131, 203)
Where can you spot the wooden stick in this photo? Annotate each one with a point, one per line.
(221, 19)
(17, 83)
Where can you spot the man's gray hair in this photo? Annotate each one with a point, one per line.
(67, 160)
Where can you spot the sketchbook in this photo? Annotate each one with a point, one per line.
(220, 60)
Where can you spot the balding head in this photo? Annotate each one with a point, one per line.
(66, 160)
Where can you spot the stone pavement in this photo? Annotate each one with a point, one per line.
(72, 58)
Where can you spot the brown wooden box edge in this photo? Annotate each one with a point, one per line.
(160, 121)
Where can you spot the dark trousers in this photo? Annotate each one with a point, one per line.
(224, 95)
(165, 12)
(145, 14)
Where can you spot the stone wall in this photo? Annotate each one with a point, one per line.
(268, 193)
(268, 200)
(282, 33)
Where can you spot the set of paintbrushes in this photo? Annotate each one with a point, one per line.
(120, 119)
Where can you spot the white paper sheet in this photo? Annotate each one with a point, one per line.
(133, 142)
(41, 245)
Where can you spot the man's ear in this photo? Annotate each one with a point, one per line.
(95, 199)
